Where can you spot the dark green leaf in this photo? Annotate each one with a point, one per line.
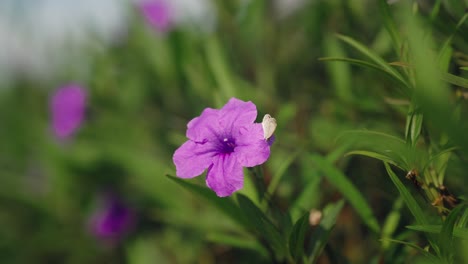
(262, 225)
(411, 203)
(297, 237)
(446, 233)
(413, 206)
(349, 191)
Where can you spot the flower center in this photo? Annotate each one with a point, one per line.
(227, 145)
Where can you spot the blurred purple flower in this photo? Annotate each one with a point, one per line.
(67, 107)
(158, 13)
(223, 141)
(112, 219)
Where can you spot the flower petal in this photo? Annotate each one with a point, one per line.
(68, 109)
(251, 148)
(225, 176)
(237, 113)
(204, 127)
(192, 158)
(158, 13)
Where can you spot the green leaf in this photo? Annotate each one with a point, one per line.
(349, 191)
(238, 242)
(391, 222)
(389, 24)
(219, 67)
(413, 206)
(429, 257)
(446, 234)
(463, 219)
(262, 225)
(375, 156)
(225, 205)
(374, 58)
(411, 203)
(323, 230)
(455, 80)
(366, 64)
(297, 237)
(458, 232)
(413, 125)
(339, 73)
(383, 147)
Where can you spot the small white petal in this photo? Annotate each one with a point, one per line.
(269, 126)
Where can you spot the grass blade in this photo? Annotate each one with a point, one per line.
(458, 232)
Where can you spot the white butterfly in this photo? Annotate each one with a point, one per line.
(269, 126)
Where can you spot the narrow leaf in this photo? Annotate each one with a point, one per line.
(455, 80)
(366, 64)
(410, 202)
(238, 242)
(262, 225)
(391, 222)
(429, 257)
(413, 206)
(389, 24)
(458, 232)
(349, 191)
(297, 237)
(373, 57)
(374, 155)
(225, 205)
(383, 146)
(446, 233)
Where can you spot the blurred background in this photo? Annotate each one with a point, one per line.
(133, 73)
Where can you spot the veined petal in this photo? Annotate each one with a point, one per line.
(251, 147)
(192, 158)
(225, 176)
(237, 113)
(204, 127)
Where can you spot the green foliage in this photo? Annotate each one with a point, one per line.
(371, 104)
(349, 191)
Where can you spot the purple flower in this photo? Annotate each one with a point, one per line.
(112, 219)
(223, 141)
(67, 107)
(158, 14)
